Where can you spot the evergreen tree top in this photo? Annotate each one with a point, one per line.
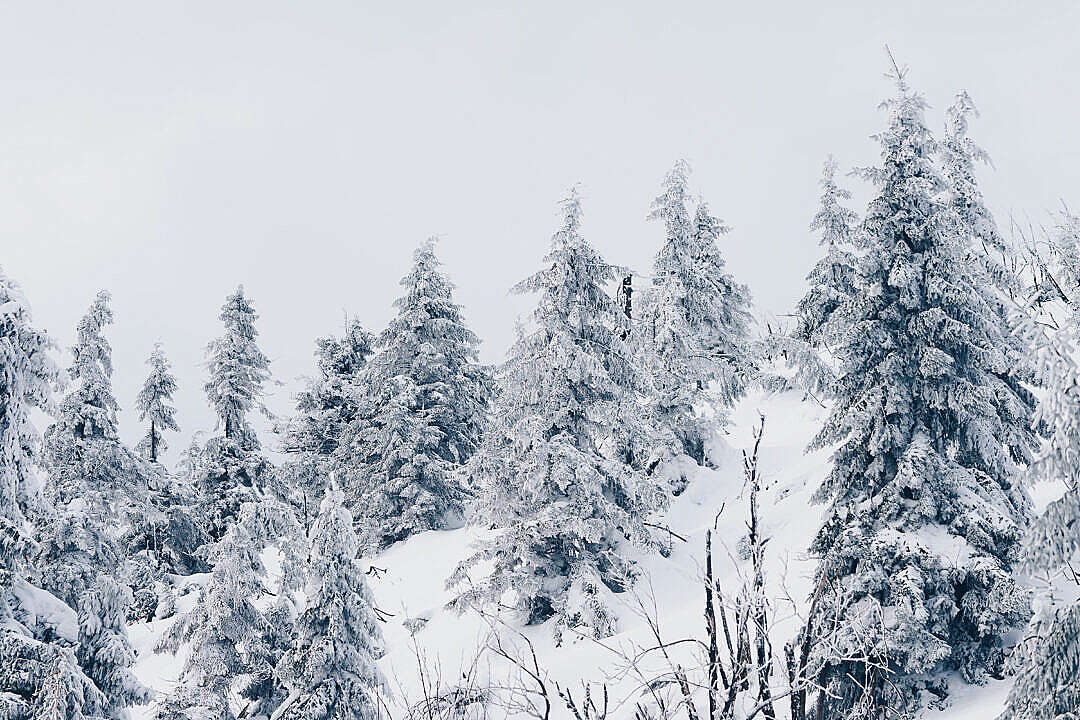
(574, 277)
(427, 312)
(833, 219)
(671, 205)
(345, 356)
(91, 407)
(153, 400)
(238, 369)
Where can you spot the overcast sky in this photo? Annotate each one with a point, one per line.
(167, 151)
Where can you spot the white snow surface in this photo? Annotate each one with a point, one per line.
(409, 581)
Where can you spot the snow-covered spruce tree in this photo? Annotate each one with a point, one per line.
(806, 347)
(931, 423)
(154, 404)
(39, 673)
(424, 408)
(692, 329)
(331, 669)
(238, 370)
(960, 155)
(233, 470)
(165, 542)
(1047, 661)
(225, 631)
(833, 278)
(552, 475)
(95, 482)
(324, 410)
(329, 403)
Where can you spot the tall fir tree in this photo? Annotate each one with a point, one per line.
(232, 468)
(552, 474)
(95, 483)
(693, 327)
(324, 410)
(226, 632)
(154, 404)
(1047, 660)
(806, 347)
(932, 424)
(960, 155)
(238, 370)
(832, 280)
(166, 542)
(37, 660)
(331, 669)
(422, 416)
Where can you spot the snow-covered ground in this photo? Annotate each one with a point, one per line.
(408, 581)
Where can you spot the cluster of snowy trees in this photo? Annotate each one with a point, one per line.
(927, 332)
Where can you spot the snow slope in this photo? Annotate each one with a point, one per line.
(429, 645)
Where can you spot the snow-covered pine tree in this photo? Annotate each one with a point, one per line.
(225, 631)
(166, 541)
(833, 278)
(324, 410)
(1047, 661)
(218, 627)
(232, 469)
(238, 370)
(331, 669)
(329, 403)
(38, 670)
(561, 491)
(95, 483)
(154, 404)
(28, 377)
(960, 155)
(931, 423)
(806, 346)
(163, 543)
(424, 410)
(692, 329)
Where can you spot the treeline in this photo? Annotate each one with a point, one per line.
(926, 331)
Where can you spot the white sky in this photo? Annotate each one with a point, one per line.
(168, 151)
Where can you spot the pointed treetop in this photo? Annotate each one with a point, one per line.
(833, 219)
(670, 205)
(238, 369)
(956, 129)
(571, 207)
(898, 72)
(92, 353)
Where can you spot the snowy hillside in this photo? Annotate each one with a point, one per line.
(409, 582)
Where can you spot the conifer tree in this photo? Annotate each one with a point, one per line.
(94, 481)
(226, 632)
(807, 346)
(154, 404)
(833, 278)
(694, 322)
(37, 661)
(1047, 660)
(331, 669)
(233, 470)
(238, 370)
(426, 397)
(932, 424)
(324, 410)
(552, 479)
(960, 156)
